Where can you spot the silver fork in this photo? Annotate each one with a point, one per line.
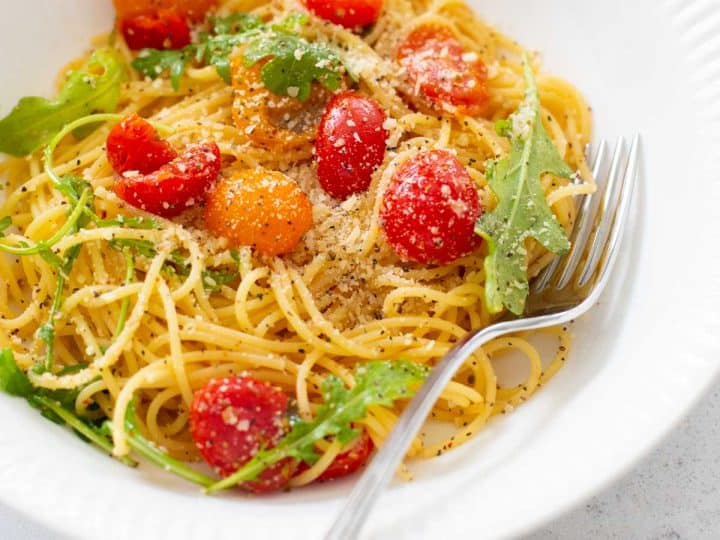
(566, 289)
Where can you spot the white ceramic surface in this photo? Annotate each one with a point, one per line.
(641, 358)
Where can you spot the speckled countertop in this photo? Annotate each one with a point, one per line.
(674, 494)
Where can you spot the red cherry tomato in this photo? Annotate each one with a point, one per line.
(163, 29)
(134, 145)
(430, 209)
(175, 186)
(353, 14)
(347, 462)
(437, 69)
(350, 144)
(232, 418)
(194, 10)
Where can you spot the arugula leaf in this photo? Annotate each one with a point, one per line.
(5, 222)
(210, 50)
(292, 23)
(137, 222)
(522, 210)
(376, 383)
(216, 50)
(142, 247)
(235, 23)
(294, 64)
(34, 120)
(213, 280)
(154, 62)
(55, 405)
(13, 380)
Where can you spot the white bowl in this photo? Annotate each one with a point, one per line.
(641, 358)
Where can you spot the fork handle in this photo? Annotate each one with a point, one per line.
(381, 470)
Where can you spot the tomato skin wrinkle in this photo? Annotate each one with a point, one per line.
(347, 462)
(161, 29)
(439, 70)
(174, 187)
(134, 145)
(350, 144)
(352, 14)
(234, 417)
(430, 208)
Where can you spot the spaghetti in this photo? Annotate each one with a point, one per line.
(161, 326)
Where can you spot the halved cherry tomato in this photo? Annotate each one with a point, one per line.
(163, 29)
(350, 144)
(439, 70)
(175, 186)
(277, 123)
(347, 462)
(232, 418)
(353, 14)
(430, 209)
(134, 145)
(260, 208)
(194, 10)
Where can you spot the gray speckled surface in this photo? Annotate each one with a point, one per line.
(674, 494)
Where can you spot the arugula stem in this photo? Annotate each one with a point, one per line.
(254, 467)
(129, 278)
(59, 234)
(249, 471)
(60, 135)
(153, 454)
(50, 325)
(48, 329)
(81, 427)
(85, 120)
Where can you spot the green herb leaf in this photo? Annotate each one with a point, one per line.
(142, 247)
(294, 64)
(129, 222)
(34, 120)
(235, 23)
(154, 62)
(5, 222)
(213, 280)
(55, 405)
(376, 383)
(522, 210)
(210, 50)
(292, 23)
(216, 51)
(13, 380)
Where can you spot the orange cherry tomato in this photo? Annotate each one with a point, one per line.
(194, 10)
(438, 70)
(270, 121)
(260, 208)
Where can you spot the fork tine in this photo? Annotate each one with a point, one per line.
(587, 210)
(588, 213)
(608, 211)
(619, 226)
